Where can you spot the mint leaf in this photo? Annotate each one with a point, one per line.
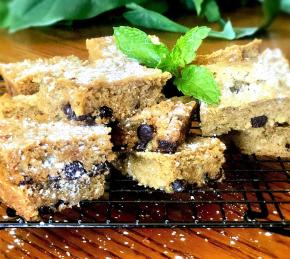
(184, 51)
(149, 19)
(199, 82)
(137, 45)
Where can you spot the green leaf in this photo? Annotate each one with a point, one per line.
(149, 19)
(30, 13)
(199, 82)
(245, 31)
(227, 33)
(137, 45)
(230, 33)
(197, 4)
(184, 51)
(189, 4)
(270, 10)
(285, 6)
(4, 13)
(160, 6)
(211, 10)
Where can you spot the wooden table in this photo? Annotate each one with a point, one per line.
(135, 243)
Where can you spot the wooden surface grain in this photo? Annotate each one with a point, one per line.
(135, 243)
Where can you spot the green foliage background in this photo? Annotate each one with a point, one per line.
(21, 14)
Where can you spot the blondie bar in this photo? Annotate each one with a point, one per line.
(270, 141)
(161, 128)
(42, 163)
(26, 76)
(195, 161)
(118, 85)
(255, 89)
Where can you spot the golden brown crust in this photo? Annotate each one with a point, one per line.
(169, 121)
(270, 141)
(235, 53)
(195, 160)
(42, 163)
(253, 85)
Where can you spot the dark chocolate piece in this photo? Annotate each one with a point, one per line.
(106, 112)
(74, 170)
(26, 180)
(178, 185)
(11, 212)
(259, 121)
(167, 147)
(145, 132)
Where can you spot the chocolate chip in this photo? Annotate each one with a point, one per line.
(74, 170)
(106, 112)
(67, 110)
(145, 132)
(234, 89)
(54, 181)
(166, 146)
(26, 180)
(11, 212)
(259, 121)
(100, 169)
(45, 210)
(87, 118)
(178, 185)
(287, 145)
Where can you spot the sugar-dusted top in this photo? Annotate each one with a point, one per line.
(40, 67)
(194, 144)
(110, 67)
(18, 133)
(264, 77)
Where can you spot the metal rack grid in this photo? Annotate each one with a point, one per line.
(255, 193)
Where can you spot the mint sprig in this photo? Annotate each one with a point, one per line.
(136, 44)
(191, 80)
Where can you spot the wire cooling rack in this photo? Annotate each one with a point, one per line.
(255, 193)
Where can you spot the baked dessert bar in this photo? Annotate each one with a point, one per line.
(118, 85)
(195, 161)
(23, 106)
(270, 141)
(42, 163)
(26, 76)
(160, 128)
(255, 89)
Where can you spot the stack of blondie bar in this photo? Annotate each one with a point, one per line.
(254, 111)
(65, 121)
